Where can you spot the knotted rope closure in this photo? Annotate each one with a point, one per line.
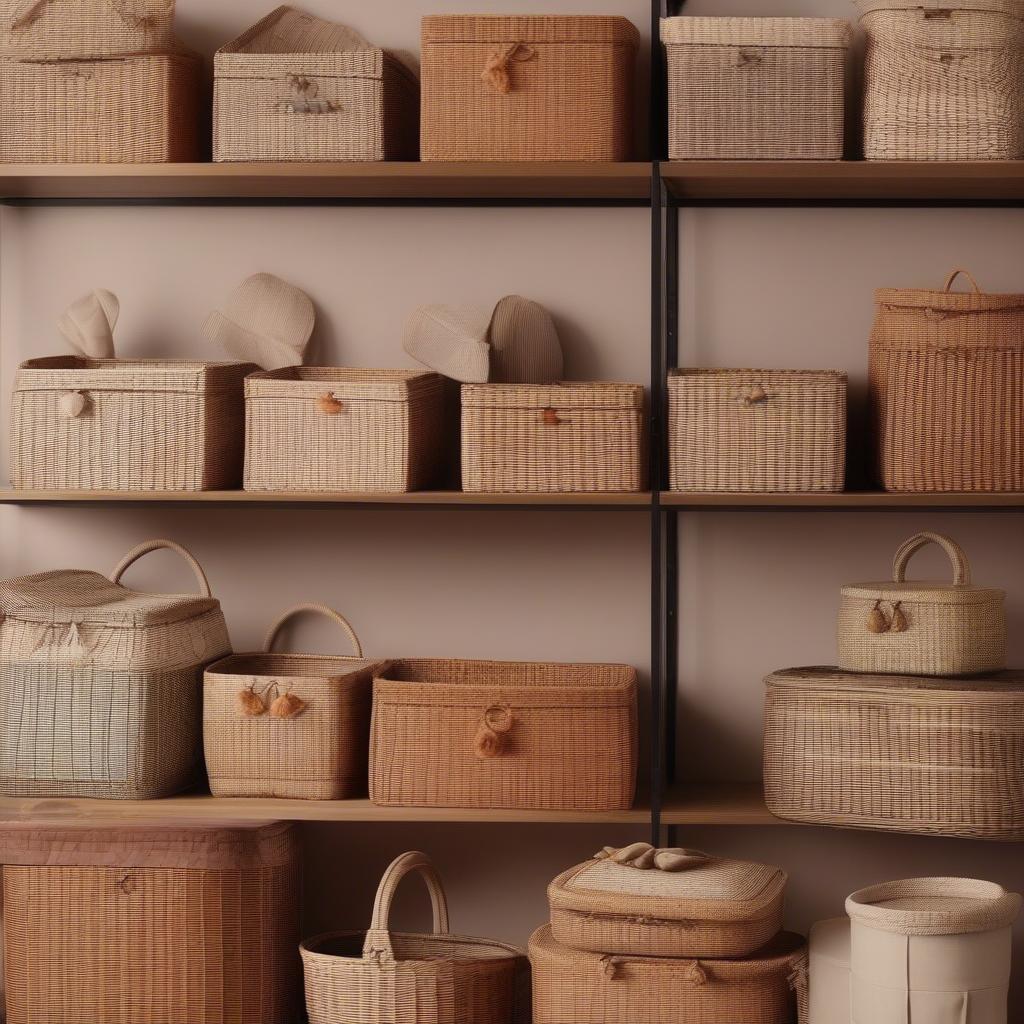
(496, 70)
(495, 724)
(304, 98)
(329, 405)
(697, 976)
(645, 857)
(72, 404)
(754, 396)
(609, 966)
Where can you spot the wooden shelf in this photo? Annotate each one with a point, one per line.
(847, 500)
(721, 803)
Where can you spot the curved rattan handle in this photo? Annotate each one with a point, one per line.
(955, 274)
(961, 570)
(155, 545)
(317, 609)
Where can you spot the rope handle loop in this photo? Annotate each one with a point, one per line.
(155, 545)
(957, 557)
(955, 274)
(316, 609)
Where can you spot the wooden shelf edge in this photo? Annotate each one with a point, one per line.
(845, 499)
(719, 803)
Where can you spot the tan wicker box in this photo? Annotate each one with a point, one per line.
(521, 438)
(540, 87)
(182, 924)
(295, 87)
(756, 88)
(757, 430)
(133, 109)
(312, 428)
(504, 734)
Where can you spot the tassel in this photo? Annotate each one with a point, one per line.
(329, 405)
(609, 966)
(486, 743)
(73, 646)
(877, 622)
(899, 620)
(287, 706)
(551, 418)
(250, 703)
(697, 976)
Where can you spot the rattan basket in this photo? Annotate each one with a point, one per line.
(541, 87)
(943, 79)
(504, 734)
(896, 753)
(384, 977)
(757, 430)
(756, 88)
(945, 378)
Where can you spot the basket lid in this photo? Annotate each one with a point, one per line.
(529, 28)
(997, 685)
(342, 383)
(817, 33)
(945, 299)
(1011, 8)
(593, 395)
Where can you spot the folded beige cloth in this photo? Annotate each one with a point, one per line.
(88, 324)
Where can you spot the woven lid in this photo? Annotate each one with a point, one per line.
(1007, 686)
(346, 384)
(538, 28)
(566, 396)
(828, 33)
(1012, 8)
(945, 299)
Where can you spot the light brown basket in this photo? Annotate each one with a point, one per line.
(896, 753)
(943, 79)
(521, 438)
(755, 88)
(541, 87)
(504, 734)
(385, 977)
(945, 377)
(185, 923)
(295, 87)
(145, 425)
(312, 428)
(757, 430)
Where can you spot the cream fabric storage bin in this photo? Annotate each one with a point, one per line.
(829, 972)
(756, 88)
(295, 87)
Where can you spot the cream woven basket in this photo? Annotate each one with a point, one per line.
(504, 734)
(541, 87)
(923, 628)
(943, 79)
(828, 947)
(896, 753)
(193, 923)
(385, 977)
(99, 688)
(756, 88)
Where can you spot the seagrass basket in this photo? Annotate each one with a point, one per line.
(896, 753)
(542, 87)
(384, 977)
(760, 431)
(504, 734)
(289, 725)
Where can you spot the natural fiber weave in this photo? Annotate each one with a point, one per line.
(504, 734)
(944, 79)
(945, 378)
(588, 988)
(314, 428)
(155, 924)
(541, 87)
(385, 977)
(755, 88)
(522, 438)
(757, 430)
(145, 425)
(896, 753)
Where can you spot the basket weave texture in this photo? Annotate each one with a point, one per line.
(541, 87)
(896, 753)
(755, 88)
(504, 734)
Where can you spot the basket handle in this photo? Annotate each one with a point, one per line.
(378, 939)
(961, 570)
(318, 609)
(155, 545)
(955, 274)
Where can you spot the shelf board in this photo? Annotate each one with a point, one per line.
(720, 803)
(698, 500)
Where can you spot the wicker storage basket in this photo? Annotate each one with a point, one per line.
(524, 438)
(591, 988)
(755, 88)
(151, 923)
(896, 753)
(710, 907)
(944, 79)
(384, 977)
(312, 428)
(541, 87)
(945, 376)
(928, 629)
(313, 746)
(99, 688)
(828, 947)
(504, 734)
(757, 430)
(295, 87)
(144, 425)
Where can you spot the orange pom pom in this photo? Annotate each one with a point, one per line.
(287, 706)
(250, 703)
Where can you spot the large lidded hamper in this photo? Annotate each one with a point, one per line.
(945, 379)
(896, 753)
(756, 88)
(184, 923)
(504, 734)
(541, 87)
(100, 685)
(757, 430)
(943, 79)
(295, 87)
(383, 977)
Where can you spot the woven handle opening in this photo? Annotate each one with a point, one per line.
(156, 545)
(955, 553)
(955, 274)
(316, 609)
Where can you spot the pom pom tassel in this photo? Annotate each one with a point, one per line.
(250, 703)
(877, 622)
(899, 620)
(287, 706)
